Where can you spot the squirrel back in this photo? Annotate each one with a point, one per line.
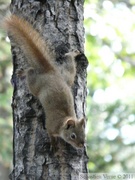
(26, 36)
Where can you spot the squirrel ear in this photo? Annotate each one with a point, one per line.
(69, 123)
(82, 122)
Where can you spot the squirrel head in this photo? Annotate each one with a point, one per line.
(73, 132)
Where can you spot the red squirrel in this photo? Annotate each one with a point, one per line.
(50, 84)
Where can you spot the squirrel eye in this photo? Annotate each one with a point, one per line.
(73, 136)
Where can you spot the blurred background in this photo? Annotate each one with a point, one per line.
(110, 49)
(5, 100)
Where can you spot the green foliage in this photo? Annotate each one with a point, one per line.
(109, 47)
(5, 103)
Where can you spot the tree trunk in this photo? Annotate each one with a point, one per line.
(32, 158)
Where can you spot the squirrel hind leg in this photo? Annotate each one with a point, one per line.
(31, 76)
(68, 69)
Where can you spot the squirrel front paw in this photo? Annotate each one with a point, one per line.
(22, 72)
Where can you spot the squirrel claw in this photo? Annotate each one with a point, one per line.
(73, 53)
(77, 52)
(53, 146)
(21, 73)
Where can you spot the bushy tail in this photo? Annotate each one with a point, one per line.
(30, 41)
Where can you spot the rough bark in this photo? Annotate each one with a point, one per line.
(61, 23)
